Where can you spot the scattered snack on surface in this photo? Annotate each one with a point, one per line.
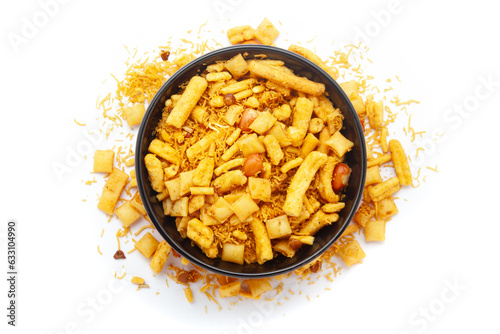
(134, 114)
(266, 32)
(147, 245)
(137, 280)
(351, 253)
(112, 190)
(127, 214)
(103, 161)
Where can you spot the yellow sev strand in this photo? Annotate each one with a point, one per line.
(99, 250)
(143, 228)
(435, 169)
(399, 103)
(212, 299)
(78, 123)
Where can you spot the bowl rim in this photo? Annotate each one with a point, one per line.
(199, 61)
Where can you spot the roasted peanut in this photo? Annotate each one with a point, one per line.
(164, 55)
(294, 244)
(316, 267)
(341, 176)
(183, 277)
(247, 118)
(119, 255)
(229, 99)
(253, 164)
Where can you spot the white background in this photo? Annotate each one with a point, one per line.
(446, 234)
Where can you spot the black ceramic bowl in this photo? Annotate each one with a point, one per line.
(356, 159)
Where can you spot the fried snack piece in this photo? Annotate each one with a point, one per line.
(339, 144)
(189, 294)
(317, 221)
(202, 235)
(174, 188)
(228, 166)
(291, 164)
(351, 88)
(400, 162)
(379, 160)
(238, 86)
(353, 228)
(237, 66)
(300, 124)
(201, 146)
(137, 204)
(229, 181)
(259, 188)
(286, 79)
(301, 181)
(262, 242)
(279, 132)
(202, 190)
(134, 114)
(383, 139)
(333, 207)
(278, 227)
(190, 97)
(164, 151)
(373, 176)
(230, 289)
(196, 201)
(170, 172)
(316, 125)
(180, 208)
(258, 286)
(325, 181)
(186, 179)
(263, 123)
(147, 245)
(384, 189)
(160, 257)
(309, 144)
(273, 149)
(233, 253)
(155, 171)
(127, 214)
(306, 53)
(241, 33)
(103, 161)
(203, 172)
(112, 190)
(375, 111)
(137, 280)
(244, 207)
(364, 214)
(351, 253)
(266, 32)
(386, 208)
(375, 230)
(282, 112)
(219, 76)
(283, 247)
